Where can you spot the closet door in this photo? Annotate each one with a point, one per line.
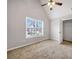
(67, 30)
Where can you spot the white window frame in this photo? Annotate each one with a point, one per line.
(32, 36)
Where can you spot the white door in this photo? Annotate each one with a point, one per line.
(56, 30)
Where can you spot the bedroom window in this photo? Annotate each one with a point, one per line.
(34, 27)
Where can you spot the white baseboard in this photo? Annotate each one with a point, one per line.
(25, 45)
(17, 47)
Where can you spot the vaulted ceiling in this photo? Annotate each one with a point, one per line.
(58, 11)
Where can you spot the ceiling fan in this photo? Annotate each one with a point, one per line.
(51, 3)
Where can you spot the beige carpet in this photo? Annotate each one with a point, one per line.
(44, 50)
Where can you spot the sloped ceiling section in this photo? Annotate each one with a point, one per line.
(58, 11)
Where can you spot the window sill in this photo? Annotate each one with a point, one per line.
(34, 36)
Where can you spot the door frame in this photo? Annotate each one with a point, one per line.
(61, 30)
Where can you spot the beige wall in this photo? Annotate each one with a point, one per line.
(17, 12)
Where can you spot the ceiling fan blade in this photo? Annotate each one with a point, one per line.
(57, 3)
(44, 4)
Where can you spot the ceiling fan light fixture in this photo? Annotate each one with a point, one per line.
(50, 4)
(53, 3)
(51, 8)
